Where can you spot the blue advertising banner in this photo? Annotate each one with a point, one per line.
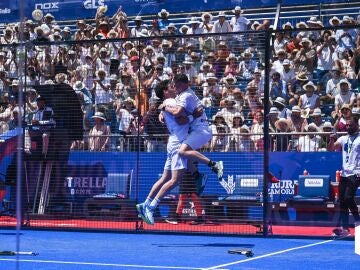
(85, 9)
(90, 170)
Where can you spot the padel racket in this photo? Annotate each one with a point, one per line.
(246, 252)
(13, 253)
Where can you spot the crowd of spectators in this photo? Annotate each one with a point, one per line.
(313, 84)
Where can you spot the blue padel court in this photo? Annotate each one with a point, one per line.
(90, 251)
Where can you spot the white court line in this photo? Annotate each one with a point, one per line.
(107, 264)
(270, 254)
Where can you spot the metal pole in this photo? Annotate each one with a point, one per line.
(266, 131)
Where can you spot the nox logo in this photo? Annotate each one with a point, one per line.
(93, 4)
(47, 6)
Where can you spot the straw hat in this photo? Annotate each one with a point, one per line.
(333, 19)
(316, 112)
(144, 33)
(305, 40)
(163, 12)
(138, 18)
(254, 24)
(311, 84)
(282, 121)
(301, 76)
(129, 99)
(48, 15)
(287, 24)
(247, 52)
(345, 106)
(184, 27)
(281, 101)
(238, 115)
(99, 115)
(231, 56)
(313, 126)
(274, 110)
(244, 129)
(128, 43)
(326, 125)
(194, 20)
(205, 64)
(286, 62)
(218, 115)
(237, 9)
(344, 81)
(221, 14)
(148, 48)
(228, 78)
(211, 76)
(205, 14)
(301, 24)
(296, 109)
(79, 85)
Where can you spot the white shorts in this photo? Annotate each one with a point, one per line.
(198, 138)
(174, 161)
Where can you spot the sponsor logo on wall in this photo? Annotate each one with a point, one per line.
(5, 10)
(93, 4)
(284, 187)
(228, 185)
(48, 6)
(85, 185)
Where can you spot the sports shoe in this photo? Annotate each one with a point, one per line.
(341, 232)
(173, 221)
(218, 168)
(141, 210)
(149, 216)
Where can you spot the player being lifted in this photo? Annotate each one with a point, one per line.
(176, 162)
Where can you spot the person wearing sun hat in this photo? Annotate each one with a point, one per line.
(311, 142)
(281, 142)
(206, 24)
(309, 100)
(345, 37)
(163, 20)
(305, 58)
(221, 26)
(99, 139)
(345, 96)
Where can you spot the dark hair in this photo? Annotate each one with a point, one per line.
(160, 88)
(182, 78)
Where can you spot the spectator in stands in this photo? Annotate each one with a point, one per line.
(99, 139)
(252, 100)
(345, 38)
(157, 77)
(305, 59)
(281, 142)
(101, 88)
(288, 75)
(340, 119)
(297, 123)
(346, 64)
(309, 101)
(345, 96)
(136, 31)
(315, 24)
(247, 65)
(288, 35)
(277, 65)
(273, 117)
(86, 100)
(332, 85)
(281, 104)
(278, 87)
(221, 26)
(325, 138)
(163, 21)
(231, 66)
(220, 138)
(334, 21)
(211, 89)
(229, 110)
(205, 69)
(237, 122)
(258, 80)
(310, 142)
(121, 27)
(316, 117)
(124, 116)
(326, 56)
(355, 63)
(195, 28)
(153, 126)
(280, 42)
(190, 70)
(243, 141)
(257, 129)
(206, 24)
(229, 86)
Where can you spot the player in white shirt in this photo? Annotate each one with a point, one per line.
(200, 132)
(175, 165)
(350, 179)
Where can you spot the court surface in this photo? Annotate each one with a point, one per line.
(104, 251)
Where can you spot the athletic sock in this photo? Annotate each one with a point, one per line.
(154, 204)
(211, 163)
(147, 201)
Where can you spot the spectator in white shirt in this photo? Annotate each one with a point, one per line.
(222, 26)
(345, 96)
(310, 142)
(136, 31)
